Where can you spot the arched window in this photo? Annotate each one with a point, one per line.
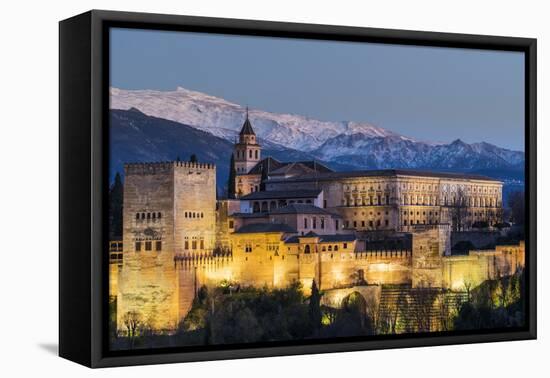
(256, 207)
(335, 248)
(142, 215)
(137, 215)
(307, 249)
(202, 215)
(159, 215)
(185, 214)
(148, 215)
(250, 154)
(330, 248)
(256, 154)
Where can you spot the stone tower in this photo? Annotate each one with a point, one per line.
(247, 151)
(169, 212)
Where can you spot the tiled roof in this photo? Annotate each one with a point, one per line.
(323, 238)
(265, 227)
(274, 166)
(337, 238)
(247, 127)
(327, 176)
(268, 163)
(282, 194)
(302, 208)
(250, 215)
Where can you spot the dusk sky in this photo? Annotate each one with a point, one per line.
(435, 94)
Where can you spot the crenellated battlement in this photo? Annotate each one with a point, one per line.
(384, 254)
(164, 166)
(187, 260)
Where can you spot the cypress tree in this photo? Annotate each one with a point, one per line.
(314, 310)
(116, 193)
(231, 179)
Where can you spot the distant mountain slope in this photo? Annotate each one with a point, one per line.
(344, 144)
(137, 137)
(224, 119)
(391, 152)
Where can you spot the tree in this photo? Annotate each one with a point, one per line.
(314, 310)
(193, 158)
(116, 193)
(358, 277)
(459, 210)
(516, 201)
(231, 180)
(132, 321)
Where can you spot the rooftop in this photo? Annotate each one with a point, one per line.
(322, 238)
(302, 208)
(247, 126)
(265, 228)
(282, 194)
(274, 166)
(327, 176)
(250, 215)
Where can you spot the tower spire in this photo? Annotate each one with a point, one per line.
(247, 126)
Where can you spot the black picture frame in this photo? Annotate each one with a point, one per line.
(83, 121)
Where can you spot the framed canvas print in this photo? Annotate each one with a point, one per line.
(234, 188)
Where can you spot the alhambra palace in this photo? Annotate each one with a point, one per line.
(360, 231)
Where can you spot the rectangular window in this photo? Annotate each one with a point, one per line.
(158, 245)
(371, 224)
(362, 223)
(354, 224)
(186, 244)
(337, 224)
(322, 223)
(148, 245)
(231, 225)
(138, 246)
(202, 244)
(305, 222)
(325, 204)
(345, 245)
(314, 223)
(194, 244)
(387, 222)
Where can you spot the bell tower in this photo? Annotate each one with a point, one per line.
(247, 151)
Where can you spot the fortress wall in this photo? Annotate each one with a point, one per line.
(427, 257)
(381, 267)
(481, 265)
(371, 294)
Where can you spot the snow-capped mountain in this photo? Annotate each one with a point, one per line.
(394, 152)
(350, 144)
(224, 119)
